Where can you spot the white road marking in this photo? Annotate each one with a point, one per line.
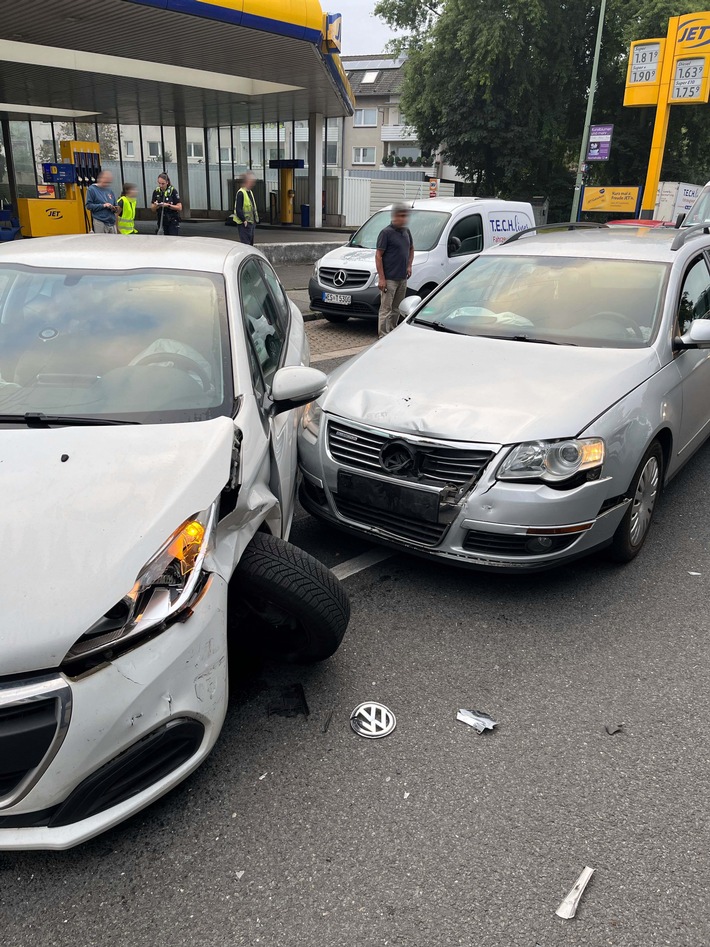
(345, 569)
(339, 353)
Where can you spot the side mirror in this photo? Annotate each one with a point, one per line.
(698, 336)
(408, 305)
(454, 246)
(679, 221)
(295, 386)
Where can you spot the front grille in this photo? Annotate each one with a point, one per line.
(437, 466)
(507, 544)
(354, 279)
(27, 731)
(404, 527)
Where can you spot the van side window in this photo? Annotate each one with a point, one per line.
(695, 295)
(262, 320)
(466, 236)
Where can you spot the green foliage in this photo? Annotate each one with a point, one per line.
(85, 131)
(502, 86)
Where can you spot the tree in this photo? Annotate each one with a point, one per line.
(501, 86)
(108, 139)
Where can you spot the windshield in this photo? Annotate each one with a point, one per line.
(139, 345)
(699, 213)
(601, 303)
(425, 226)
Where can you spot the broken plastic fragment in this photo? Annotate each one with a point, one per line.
(569, 906)
(612, 728)
(476, 719)
(695, 573)
(290, 702)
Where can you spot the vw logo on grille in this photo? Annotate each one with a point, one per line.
(372, 720)
(340, 278)
(397, 457)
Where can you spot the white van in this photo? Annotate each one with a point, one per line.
(447, 232)
(699, 213)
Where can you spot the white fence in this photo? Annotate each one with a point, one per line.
(356, 200)
(388, 192)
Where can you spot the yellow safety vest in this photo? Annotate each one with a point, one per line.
(251, 214)
(128, 215)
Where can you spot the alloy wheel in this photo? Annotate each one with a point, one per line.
(644, 501)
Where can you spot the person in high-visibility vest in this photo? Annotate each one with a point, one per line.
(127, 209)
(245, 215)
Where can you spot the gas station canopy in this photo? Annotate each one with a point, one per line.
(173, 62)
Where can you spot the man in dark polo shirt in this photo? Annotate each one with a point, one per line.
(395, 251)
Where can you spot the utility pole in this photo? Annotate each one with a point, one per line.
(588, 118)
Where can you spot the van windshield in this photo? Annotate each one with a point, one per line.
(700, 211)
(426, 227)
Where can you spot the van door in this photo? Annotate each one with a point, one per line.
(504, 223)
(464, 241)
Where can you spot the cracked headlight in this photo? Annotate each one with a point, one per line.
(552, 460)
(163, 592)
(310, 420)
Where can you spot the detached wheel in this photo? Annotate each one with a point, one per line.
(645, 489)
(336, 317)
(285, 605)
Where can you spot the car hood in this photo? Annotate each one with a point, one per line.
(77, 532)
(356, 257)
(464, 388)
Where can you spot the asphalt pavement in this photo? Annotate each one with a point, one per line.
(298, 833)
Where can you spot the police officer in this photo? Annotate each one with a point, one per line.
(245, 215)
(167, 204)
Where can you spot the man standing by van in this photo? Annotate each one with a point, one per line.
(395, 252)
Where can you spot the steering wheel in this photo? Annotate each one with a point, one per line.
(626, 322)
(183, 362)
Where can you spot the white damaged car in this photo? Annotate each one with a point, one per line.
(147, 476)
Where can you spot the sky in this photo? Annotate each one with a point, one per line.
(363, 33)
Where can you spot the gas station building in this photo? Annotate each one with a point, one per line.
(204, 89)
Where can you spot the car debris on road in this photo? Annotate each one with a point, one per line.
(569, 906)
(474, 718)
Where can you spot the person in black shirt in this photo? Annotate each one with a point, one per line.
(167, 205)
(395, 251)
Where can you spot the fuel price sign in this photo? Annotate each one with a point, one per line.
(690, 80)
(645, 60)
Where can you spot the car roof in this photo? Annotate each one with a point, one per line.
(453, 204)
(651, 244)
(106, 252)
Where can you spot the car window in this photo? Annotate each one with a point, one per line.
(283, 310)
(144, 345)
(426, 227)
(261, 318)
(568, 300)
(694, 296)
(466, 236)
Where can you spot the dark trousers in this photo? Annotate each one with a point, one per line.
(246, 233)
(171, 228)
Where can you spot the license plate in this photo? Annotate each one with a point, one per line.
(389, 497)
(339, 299)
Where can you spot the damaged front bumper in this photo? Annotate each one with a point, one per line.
(491, 525)
(132, 729)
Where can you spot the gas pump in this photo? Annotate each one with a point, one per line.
(286, 168)
(49, 217)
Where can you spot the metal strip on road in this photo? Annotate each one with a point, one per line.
(339, 353)
(359, 563)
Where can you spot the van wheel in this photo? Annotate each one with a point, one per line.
(285, 605)
(333, 317)
(644, 491)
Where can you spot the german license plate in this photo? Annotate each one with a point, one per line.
(389, 497)
(338, 299)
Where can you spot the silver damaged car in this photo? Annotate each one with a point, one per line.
(531, 409)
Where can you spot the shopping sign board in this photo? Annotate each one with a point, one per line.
(600, 142)
(615, 200)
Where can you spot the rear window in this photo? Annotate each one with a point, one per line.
(426, 227)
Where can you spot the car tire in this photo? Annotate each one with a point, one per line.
(285, 605)
(644, 492)
(336, 317)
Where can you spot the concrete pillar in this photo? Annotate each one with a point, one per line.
(183, 181)
(315, 168)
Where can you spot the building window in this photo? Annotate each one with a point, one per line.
(363, 155)
(369, 78)
(225, 155)
(154, 149)
(129, 149)
(366, 118)
(330, 153)
(195, 149)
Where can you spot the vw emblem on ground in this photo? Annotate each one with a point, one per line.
(372, 720)
(397, 457)
(340, 278)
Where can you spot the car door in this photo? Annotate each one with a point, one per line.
(266, 315)
(694, 364)
(464, 241)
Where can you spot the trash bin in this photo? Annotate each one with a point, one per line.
(305, 215)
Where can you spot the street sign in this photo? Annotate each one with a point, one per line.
(616, 200)
(600, 142)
